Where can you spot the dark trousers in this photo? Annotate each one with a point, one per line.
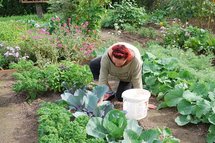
(95, 66)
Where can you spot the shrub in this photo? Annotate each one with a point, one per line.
(127, 12)
(147, 32)
(72, 74)
(59, 42)
(11, 31)
(199, 40)
(31, 81)
(80, 11)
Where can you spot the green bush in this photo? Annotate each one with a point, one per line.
(198, 65)
(10, 55)
(199, 40)
(187, 9)
(31, 81)
(147, 32)
(80, 11)
(14, 7)
(126, 12)
(72, 74)
(11, 32)
(131, 29)
(59, 42)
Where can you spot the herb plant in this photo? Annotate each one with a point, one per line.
(72, 74)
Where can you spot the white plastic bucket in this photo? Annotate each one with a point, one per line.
(135, 103)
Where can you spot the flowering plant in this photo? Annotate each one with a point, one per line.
(10, 55)
(66, 42)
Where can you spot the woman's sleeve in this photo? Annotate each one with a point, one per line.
(136, 78)
(104, 70)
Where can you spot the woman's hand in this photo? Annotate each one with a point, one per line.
(151, 106)
(106, 96)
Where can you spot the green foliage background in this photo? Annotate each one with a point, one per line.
(14, 7)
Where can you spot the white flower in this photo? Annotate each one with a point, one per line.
(16, 54)
(187, 34)
(37, 25)
(119, 32)
(17, 48)
(6, 54)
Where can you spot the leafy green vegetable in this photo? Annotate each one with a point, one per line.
(183, 120)
(211, 134)
(184, 107)
(173, 97)
(95, 128)
(115, 123)
(86, 101)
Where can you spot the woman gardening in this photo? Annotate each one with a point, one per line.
(123, 61)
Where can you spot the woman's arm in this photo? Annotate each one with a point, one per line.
(104, 70)
(136, 71)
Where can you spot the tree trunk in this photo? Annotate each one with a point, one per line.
(39, 10)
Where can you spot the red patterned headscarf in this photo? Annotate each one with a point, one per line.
(121, 52)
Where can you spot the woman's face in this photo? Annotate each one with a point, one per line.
(118, 62)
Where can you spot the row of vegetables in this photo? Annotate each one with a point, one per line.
(77, 118)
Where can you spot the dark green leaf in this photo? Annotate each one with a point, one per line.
(191, 96)
(210, 138)
(182, 120)
(173, 97)
(185, 75)
(211, 119)
(115, 123)
(184, 107)
(150, 81)
(95, 128)
(162, 105)
(202, 108)
(200, 89)
(150, 135)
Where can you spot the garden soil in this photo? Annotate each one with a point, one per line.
(18, 119)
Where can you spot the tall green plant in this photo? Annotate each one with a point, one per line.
(128, 12)
(73, 74)
(80, 11)
(11, 31)
(191, 8)
(29, 79)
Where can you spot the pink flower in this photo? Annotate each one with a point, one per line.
(57, 19)
(64, 25)
(59, 45)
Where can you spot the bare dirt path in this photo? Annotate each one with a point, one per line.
(18, 120)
